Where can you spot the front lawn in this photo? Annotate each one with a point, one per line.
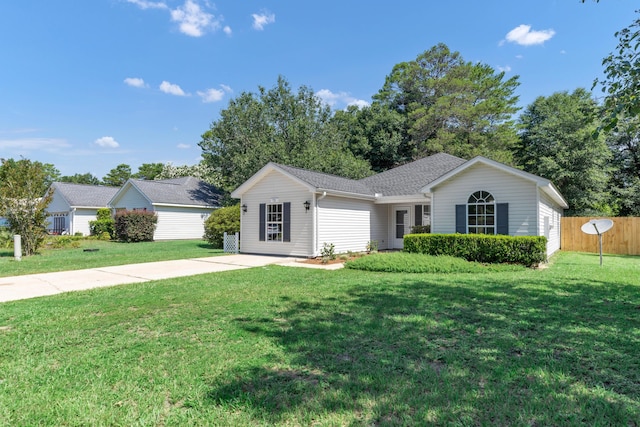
(295, 346)
(101, 254)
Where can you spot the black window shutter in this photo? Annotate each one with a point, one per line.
(263, 221)
(461, 219)
(286, 222)
(502, 213)
(418, 218)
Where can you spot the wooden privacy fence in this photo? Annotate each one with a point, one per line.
(622, 239)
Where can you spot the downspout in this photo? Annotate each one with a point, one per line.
(72, 222)
(315, 213)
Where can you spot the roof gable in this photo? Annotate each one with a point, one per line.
(188, 191)
(81, 195)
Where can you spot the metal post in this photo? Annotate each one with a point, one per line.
(600, 242)
(17, 247)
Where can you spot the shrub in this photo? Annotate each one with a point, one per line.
(372, 246)
(220, 221)
(525, 250)
(421, 229)
(6, 237)
(104, 223)
(135, 226)
(328, 252)
(402, 262)
(62, 242)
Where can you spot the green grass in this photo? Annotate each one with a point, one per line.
(109, 253)
(402, 262)
(295, 346)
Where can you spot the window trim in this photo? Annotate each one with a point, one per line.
(271, 218)
(481, 200)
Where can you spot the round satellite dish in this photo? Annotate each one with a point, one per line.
(597, 226)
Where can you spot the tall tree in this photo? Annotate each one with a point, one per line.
(148, 171)
(621, 83)
(276, 125)
(557, 143)
(84, 178)
(624, 142)
(117, 176)
(201, 171)
(23, 201)
(374, 133)
(453, 106)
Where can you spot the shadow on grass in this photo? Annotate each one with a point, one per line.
(416, 352)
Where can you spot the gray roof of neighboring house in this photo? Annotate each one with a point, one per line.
(404, 180)
(82, 195)
(179, 191)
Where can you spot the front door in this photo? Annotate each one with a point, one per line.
(401, 225)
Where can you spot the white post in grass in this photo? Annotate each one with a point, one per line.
(17, 247)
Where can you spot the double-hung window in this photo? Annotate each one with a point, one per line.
(274, 222)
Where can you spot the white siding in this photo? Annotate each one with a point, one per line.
(347, 223)
(58, 204)
(549, 223)
(379, 225)
(132, 199)
(80, 221)
(175, 223)
(277, 188)
(505, 188)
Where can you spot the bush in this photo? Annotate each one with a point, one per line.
(525, 250)
(104, 223)
(135, 226)
(6, 237)
(63, 242)
(402, 262)
(328, 252)
(421, 229)
(220, 221)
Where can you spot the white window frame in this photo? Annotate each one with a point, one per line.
(481, 207)
(274, 219)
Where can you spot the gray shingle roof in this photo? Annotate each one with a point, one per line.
(179, 191)
(405, 180)
(81, 195)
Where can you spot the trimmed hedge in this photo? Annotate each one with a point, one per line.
(135, 226)
(525, 250)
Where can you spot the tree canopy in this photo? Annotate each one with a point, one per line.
(557, 143)
(24, 198)
(277, 125)
(78, 178)
(117, 176)
(453, 106)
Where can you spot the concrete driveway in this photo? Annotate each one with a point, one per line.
(43, 284)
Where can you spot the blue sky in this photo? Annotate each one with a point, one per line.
(87, 85)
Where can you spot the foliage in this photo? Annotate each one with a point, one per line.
(279, 346)
(117, 176)
(63, 242)
(23, 200)
(85, 178)
(453, 106)
(557, 143)
(328, 252)
(6, 238)
(222, 220)
(621, 82)
(105, 235)
(375, 133)
(624, 142)
(403, 262)
(135, 226)
(420, 229)
(276, 125)
(148, 171)
(372, 246)
(525, 250)
(104, 223)
(201, 171)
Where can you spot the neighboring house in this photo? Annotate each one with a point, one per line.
(293, 211)
(181, 204)
(74, 205)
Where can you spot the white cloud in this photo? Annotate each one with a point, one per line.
(262, 19)
(214, 95)
(331, 99)
(519, 56)
(135, 82)
(193, 21)
(563, 52)
(183, 146)
(506, 68)
(106, 142)
(145, 4)
(32, 144)
(524, 36)
(171, 89)
(227, 30)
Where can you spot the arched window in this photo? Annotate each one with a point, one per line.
(481, 213)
